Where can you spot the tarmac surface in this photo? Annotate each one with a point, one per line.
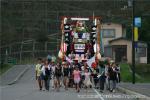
(142, 88)
(26, 89)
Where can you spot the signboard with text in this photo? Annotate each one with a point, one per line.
(137, 21)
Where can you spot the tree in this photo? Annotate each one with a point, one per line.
(144, 33)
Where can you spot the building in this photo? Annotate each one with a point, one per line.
(118, 47)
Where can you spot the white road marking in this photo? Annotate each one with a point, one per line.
(99, 95)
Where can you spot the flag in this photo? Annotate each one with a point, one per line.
(96, 47)
(69, 60)
(60, 54)
(90, 61)
(63, 47)
(98, 55)
(101, 43)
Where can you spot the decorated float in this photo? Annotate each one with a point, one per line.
(80, 40)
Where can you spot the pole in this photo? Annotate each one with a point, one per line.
(133, 44)
(33, 49)
(57, 31)
(62, 40)
(21, 51)
(98, 32)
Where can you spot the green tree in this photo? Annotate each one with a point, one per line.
(144, 33)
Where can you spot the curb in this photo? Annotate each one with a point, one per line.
(139, 96)
(19, 76)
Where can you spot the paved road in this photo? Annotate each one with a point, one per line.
(26, 89)
(12, 74)
(142, 88)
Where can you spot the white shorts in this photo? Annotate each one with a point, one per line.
(77, 80)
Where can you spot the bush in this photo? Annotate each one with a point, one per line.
(142, 68)
(126, 75)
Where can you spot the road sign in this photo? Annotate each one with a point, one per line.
(136, 35)
(137, 21)
(136, 45)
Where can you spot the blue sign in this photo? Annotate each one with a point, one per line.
(137, 21)
(136, 45)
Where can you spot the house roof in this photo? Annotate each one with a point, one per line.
(120, 38)
(140, 43)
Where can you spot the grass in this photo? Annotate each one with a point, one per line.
(141, 77)
(144, 71)
(4, 68)
(126, 75)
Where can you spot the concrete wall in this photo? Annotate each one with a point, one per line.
(143, 59)
(118, 31)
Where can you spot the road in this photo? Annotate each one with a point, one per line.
(26, 89)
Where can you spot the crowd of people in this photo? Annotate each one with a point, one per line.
(52, 75)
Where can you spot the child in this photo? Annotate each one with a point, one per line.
(87, 81)
(77, 78)
(38, 73)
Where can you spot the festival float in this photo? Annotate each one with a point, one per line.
(80, 41)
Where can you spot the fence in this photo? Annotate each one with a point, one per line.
(28, 51)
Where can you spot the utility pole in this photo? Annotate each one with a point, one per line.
(133, 43)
